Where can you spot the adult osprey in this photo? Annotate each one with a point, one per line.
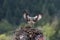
(30, 33)
(31, 20)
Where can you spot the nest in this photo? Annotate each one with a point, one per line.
(29, 33)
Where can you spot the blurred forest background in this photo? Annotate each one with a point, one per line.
(11, 17)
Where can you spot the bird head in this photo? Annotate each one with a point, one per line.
(31, 20)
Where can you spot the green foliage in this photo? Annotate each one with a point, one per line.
(5, 26)
(5, 37)
(48, 30)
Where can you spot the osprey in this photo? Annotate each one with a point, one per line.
(29, 33)
(31, 20)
